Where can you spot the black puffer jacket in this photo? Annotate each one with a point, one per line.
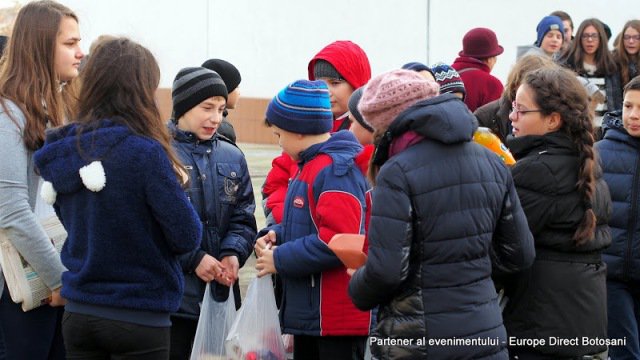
(440, 209)
(495, 116)
(563, 295)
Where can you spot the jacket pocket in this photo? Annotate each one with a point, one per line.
(229, 179)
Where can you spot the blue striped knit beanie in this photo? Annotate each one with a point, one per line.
(303, 107)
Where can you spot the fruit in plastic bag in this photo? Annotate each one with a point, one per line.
(486, 138)
(255, 333)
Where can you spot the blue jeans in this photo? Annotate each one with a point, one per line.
(623, 303)
(94, 338)
(34, 334)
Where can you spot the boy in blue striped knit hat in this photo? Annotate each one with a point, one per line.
(326, 197)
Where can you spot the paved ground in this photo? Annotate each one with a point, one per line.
(259, 160)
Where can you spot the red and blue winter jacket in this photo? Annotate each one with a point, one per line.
(326, 197)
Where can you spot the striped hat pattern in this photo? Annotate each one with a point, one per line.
(303, 107)
(192, 86)
(449, 79)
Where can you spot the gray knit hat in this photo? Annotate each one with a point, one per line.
(192, 86)
(324, 69)
(353, 108)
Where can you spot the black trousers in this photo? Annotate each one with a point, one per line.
(34, 334)
(329, 347)
(183, 332)
(94, 338)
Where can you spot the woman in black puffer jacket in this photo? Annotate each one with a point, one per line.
(443, 208)
(563, 295)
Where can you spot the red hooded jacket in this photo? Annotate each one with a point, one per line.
(352, 63)
(349, 60)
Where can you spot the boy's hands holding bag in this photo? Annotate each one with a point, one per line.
(210, 269)
(264, 250)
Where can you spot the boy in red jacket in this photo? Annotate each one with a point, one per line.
(325, 197)
(344, 67)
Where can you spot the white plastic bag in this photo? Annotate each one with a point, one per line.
(214, 324)
(255, 333)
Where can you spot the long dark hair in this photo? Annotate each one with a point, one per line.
(119, 82)
(574, 55)
(557, 90)
(27, 70)
(622, 57)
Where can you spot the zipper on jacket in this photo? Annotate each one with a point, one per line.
(626, 265)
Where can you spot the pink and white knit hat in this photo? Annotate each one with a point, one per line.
(390, 93)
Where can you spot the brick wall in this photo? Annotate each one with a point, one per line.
(247, 118)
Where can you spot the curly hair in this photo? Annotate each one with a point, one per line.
(557, 90)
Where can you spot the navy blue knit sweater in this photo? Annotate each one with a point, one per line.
(124, 238)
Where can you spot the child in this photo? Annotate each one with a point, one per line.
(421, 69)
(362, 131)
(567, 205)
(220, 190)
(619, 158)
(343, 66)
(589, 56)
(550, 35)
(443, 208)
(116, 184)
(231, 77)
(449, 80)
(326, 197)
(43, 54)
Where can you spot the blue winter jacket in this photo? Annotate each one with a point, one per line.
(221, 193)
(326, 197)
(620, 158)
(124, 239)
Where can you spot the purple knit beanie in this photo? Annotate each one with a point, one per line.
(390, 93)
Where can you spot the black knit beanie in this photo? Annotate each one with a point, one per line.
(192, 86)
(324, 69)
(229, 73)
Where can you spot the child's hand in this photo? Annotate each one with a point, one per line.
(232, 265)
(262, 242)
(57, 299)
(210, 269)
(265, 264)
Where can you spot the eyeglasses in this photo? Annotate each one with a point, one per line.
(519, 113)
(593, 36)
(631, 37)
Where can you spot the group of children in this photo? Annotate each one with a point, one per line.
(155, 210)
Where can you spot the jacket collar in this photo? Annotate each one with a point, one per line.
(554, 143)
(342, 147)
(186, 136)
(613, 129)
(444, 118)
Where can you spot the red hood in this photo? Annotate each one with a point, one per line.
(362, 160)
(348, 58)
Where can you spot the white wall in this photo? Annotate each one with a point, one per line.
(271, 41)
